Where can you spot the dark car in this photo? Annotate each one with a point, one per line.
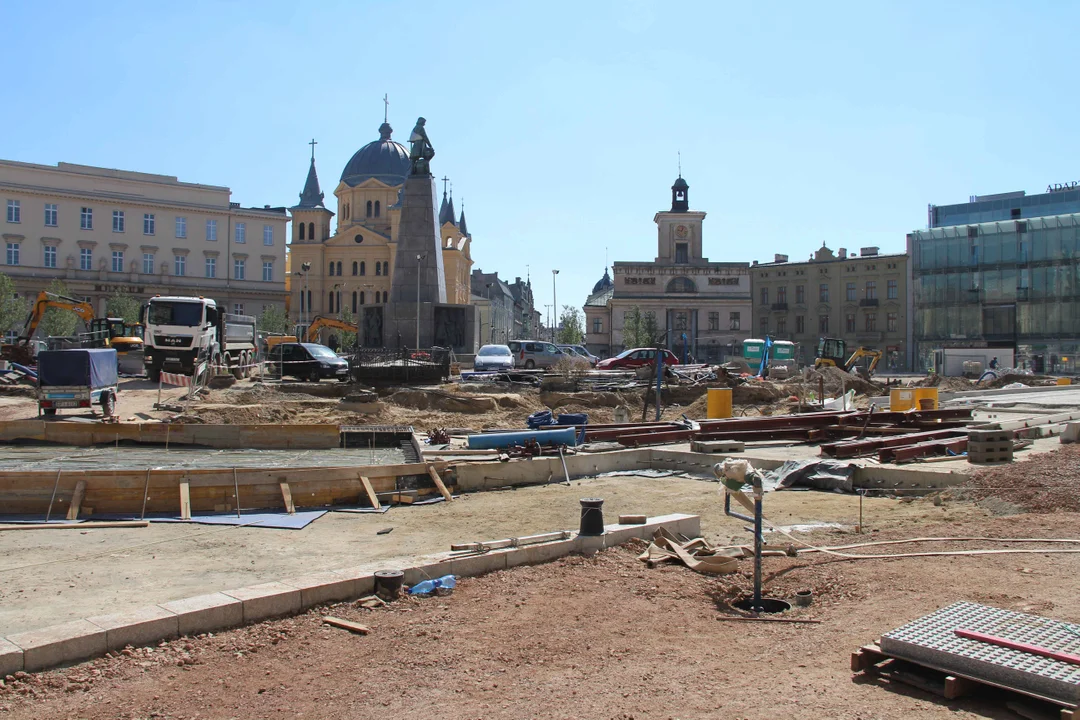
(635, 358)
(307, 361)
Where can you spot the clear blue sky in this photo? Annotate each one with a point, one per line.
(559, 122)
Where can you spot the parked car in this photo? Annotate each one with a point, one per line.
(494, 357)
(307, 361)
(635, 358)
(531, 354)
(580, 352)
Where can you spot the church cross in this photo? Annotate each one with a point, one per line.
(680, 163)
(386, 108)
(313, 143)
(444, 181)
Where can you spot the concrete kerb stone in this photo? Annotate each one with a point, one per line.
(206, 613)
(60, 644)
(320, 588)
(267, 600)
(11, 657)
(139, 627)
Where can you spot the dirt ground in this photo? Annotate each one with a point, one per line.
(603, 637)
(51, 576)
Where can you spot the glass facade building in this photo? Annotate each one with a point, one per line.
(1010, 284)
(1007, 206)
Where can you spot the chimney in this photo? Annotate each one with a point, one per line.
(755, 262)
(842, 253)
(869, 251)
(780, 258)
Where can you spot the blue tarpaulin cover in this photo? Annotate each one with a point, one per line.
(85, 368)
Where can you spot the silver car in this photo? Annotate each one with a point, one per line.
(531, 354)
(494, 357)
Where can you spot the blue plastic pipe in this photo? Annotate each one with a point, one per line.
(494, 441)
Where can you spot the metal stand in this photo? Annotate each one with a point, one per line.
(759, 541)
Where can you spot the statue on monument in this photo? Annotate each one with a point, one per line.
(420, 150)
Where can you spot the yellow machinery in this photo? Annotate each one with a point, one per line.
(272, 340)
(832, 352)
(322, 321)
(104, 332)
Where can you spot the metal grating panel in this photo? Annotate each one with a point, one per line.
(930, 641)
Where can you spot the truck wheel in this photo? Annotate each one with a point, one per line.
(108, 404)
(154, 374)
(314, 376)
(248, 370)
(237, 369)
(49, 411)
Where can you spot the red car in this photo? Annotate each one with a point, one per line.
(635, 358)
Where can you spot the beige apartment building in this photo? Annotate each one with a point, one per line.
(103, 231)
(859, 299)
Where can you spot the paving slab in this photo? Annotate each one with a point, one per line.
(322, 588)
(144, 626)
(206, 613)
(267, 600)
(11, 657)
(60, 644)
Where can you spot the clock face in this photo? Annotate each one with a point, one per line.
(681, 231)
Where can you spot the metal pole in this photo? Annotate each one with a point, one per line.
(757, 549)
(659, 377)
(555, 304)
(418, 259)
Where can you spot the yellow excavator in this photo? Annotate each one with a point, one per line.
(832, 352)
(322, 321)
(103, 332)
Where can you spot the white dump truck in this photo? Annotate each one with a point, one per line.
(183, 332)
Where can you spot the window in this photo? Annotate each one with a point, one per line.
(118, 261)
(211, 267)
(369, 208)
(363, 268)
(50, 214)
(376, 208)
(823, 324)
(302, 229)
(800, 294)
(597, 325)
(179, 265)
(714, 320)
(354, 266)
(891, 290)
(238, 308)
(148, 263)
(892, 322)
(85, 259)
(682, 254)
(14, 211)
(330, 299)
(181, 227)
(734, 321)
(338, 268)
(849, 323)
(268, 234)
(239, 266)
(781, 326)
(681, 321)
(850, 292)
(240, 236)
(765, 296)
(823, 293)
(361, 297)
(871, 290)
(386, 269)
(118, 221)
(330, 271)
(268, 271)
(311, 231)
(871, 322)
(50, 256)
(148, 224)
(86, 218)
(211, 230)
(763, 326)
(378, 268)
(354, 302)
(781, 294)
(13, 253)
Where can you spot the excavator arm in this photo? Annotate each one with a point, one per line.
(874, 355)
(322, 321)
(46, 300)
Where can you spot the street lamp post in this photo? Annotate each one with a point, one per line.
(419, 259)
(555, 305)
(305, 302)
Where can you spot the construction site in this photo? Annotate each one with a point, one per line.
(528, 544)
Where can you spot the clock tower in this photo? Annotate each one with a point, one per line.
(679, 229)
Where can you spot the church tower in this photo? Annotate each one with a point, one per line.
(311, 219)
(679, 229)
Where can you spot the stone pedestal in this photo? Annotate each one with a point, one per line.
(441, 324)
(418, 234)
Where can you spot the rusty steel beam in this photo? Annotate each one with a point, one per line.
(907, 453)
(862, 447)
(807, 434)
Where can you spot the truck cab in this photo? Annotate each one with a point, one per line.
(180, 333)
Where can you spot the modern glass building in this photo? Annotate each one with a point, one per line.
(1057, 200)
(1007, 284)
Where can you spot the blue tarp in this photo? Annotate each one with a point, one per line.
(85, 368)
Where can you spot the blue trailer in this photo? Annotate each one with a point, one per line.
(77, 378)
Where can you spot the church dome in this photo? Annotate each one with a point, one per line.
(603, 283)
(385, 160)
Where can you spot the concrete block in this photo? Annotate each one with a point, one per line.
(362, 575)
(589, 545)
(206, 613)
(11, 657)
(618, 534)
(323, 587)
(144, 626)
(267, 600)
(473, 565)
(429, 568)
(1071, 433)
(60, 644)
(546, 552)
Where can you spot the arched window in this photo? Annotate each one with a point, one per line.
(681, 285)
(338, 268)
(330, 300)
(347, 210)
(361, 297)
(386, 268)
(311, 231)
(354, 266)
(363, 268)
(369, 208)
(302, 231)
(331, 270)
(376, 208)
(354, 302)
(378, 268)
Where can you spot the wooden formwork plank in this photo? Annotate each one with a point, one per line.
(370, 493)
(76, 500)
(439, 483)
(185, 501)
(286, 494)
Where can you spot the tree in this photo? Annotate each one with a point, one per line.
(571, 326)
(12, 309)
(57, 322)
(640, 329)
(348, 339)
(274, 320)
(124, 307)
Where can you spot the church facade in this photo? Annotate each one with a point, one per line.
(342, 262)
(699, 308)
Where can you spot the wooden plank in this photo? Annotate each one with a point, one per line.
(76, 500)
(1021, 646)
(865, 657)
(957, 687)
(79, 525)
(439, 483)
(185, 501)
(370, 493)
(286, 493)
(346, 625)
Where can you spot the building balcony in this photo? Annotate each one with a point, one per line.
(868, 302)
(780, 307)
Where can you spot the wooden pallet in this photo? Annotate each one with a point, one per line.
(870, 660)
